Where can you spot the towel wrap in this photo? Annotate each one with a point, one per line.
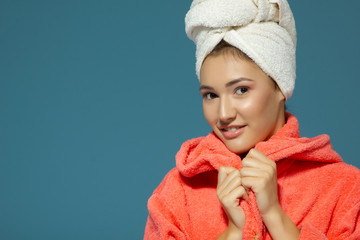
(262, 29)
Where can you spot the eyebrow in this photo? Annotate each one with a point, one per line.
(229, 84)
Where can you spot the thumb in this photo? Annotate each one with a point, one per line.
(224, 172)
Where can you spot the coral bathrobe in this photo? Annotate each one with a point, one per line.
(317, 190)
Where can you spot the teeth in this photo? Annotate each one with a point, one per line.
(231, 129)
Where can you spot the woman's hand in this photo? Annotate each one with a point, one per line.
(258, 173)
(229, 191)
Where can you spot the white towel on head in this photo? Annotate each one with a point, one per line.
(262, 29)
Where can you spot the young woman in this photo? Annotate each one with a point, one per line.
(253, 176)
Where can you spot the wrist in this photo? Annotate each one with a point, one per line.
(273, 215)
(234, 232)
(231, 233)
(279, 225)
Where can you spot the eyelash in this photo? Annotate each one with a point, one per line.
(210, 95)
(241, 88)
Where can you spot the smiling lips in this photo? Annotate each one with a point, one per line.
(230, 132)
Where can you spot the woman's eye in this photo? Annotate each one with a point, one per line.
(241, 90)
(209, 96)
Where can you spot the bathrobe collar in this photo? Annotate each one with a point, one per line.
(209, 153)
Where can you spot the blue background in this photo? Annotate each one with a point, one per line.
(97, 96)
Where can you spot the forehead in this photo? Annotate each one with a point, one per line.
(226, 67)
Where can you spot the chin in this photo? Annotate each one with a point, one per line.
(238, 148)
(237, 145)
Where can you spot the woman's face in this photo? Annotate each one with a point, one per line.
(240, 102)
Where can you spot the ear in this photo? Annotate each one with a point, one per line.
(279, 94)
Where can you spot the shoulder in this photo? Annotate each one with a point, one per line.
(343, 175)
(170, 190)
(167, 204)
(170, 182)
(345, 169)
(338, 171)
(325, 179)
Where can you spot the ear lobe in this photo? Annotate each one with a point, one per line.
(280, 95)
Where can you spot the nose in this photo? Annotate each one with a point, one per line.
(227, 111)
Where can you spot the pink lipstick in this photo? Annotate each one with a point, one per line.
(230, 132)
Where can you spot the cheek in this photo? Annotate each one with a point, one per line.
(251, 107)
(255, 109)
(210, 113)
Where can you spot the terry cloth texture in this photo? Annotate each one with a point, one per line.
(317, 190)
(263, 29)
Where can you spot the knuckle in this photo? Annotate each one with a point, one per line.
(273, 165)
(244, 182)
(242, 171)
(245, 162)
(227, 201)
(269, 170)
(252, 150)
(267, 174)
(237, 181)
(242, 190)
